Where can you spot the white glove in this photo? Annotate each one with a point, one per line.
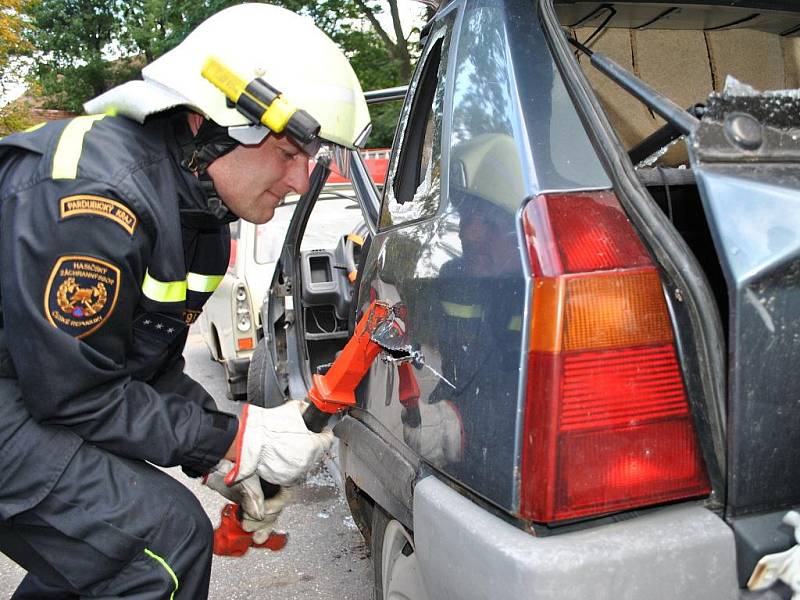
(439, 436)
(259, 514)
(276, 444)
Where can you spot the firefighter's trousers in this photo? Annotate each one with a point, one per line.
(111, 528)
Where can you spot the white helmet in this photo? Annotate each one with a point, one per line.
(488, 167)
(252, 41)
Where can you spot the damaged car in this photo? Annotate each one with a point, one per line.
(587, 251)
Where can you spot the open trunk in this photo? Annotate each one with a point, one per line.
(730, 187)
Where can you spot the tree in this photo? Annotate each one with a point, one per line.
(77, 40)
(14, 48)
(398, 48)
(14, 117)
(154, 27)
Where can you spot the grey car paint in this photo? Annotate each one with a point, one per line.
(467, 291)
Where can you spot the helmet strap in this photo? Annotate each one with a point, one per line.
(209, 143)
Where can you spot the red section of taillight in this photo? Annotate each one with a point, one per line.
(612, 432)
(607, 420)
(619, 387)
(642, 464)
(580, 232)
(593, 233)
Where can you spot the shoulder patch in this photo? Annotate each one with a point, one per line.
(87, 204)
(81, 294)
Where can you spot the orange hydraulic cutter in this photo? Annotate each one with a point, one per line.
(330, 393)
(334, 391)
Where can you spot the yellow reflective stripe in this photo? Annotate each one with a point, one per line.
(70, 145)
(463, 311)
(202, 283)
(35, 127)
(515, 323)
(163, 291)
(175, 291)
(167, 568)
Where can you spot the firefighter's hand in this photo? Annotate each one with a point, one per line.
(276, 444)
(438, 435)
(259, 514)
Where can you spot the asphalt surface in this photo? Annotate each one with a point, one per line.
(325, 557)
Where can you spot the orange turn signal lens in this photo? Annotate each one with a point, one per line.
(603, 310)
(244, 343)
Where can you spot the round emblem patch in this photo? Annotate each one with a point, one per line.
(81, 294)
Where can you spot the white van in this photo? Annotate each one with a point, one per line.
(230, 322)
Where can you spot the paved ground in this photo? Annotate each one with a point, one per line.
(325, 557)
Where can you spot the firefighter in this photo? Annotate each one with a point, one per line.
(113, 234)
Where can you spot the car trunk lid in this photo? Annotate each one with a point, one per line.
(746, 157)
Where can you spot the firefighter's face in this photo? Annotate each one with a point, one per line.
(252, 180)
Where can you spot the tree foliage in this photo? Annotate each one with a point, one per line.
(88, 46)
(14, 48)
(14, 117)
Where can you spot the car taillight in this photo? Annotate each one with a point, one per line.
(607, 422)
(244, 321)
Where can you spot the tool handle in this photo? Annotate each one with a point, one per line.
(270, 489)
(314, 418)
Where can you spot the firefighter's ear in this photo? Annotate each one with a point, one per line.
(195, 121)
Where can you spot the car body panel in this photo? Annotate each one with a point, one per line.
(467, 292)
(755, 218)
(218, 320)
(379, 468)
(682, 551)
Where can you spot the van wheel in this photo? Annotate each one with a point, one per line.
(262, 383)
(395, 569)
